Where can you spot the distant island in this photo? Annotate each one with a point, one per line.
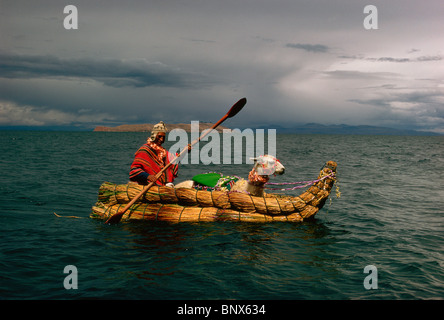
(147, 127)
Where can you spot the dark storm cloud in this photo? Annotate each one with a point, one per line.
(179, 60)
(423, 99)
(353, 75)
(424, 105)
(111, 72)
(308, 47)
(397, 60)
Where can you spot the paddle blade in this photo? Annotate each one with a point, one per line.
(237, 107)
(114, 219)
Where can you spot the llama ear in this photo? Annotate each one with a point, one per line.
(253, 159)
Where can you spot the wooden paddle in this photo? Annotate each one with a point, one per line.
(114, 219)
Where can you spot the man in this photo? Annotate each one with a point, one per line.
(152, 158)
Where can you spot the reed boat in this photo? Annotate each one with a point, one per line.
(193, 205)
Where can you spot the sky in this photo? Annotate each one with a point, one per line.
(142, 61)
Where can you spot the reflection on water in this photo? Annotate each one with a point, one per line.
(160, 253)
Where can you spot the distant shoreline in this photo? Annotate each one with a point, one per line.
(147, 127)
(309, 128)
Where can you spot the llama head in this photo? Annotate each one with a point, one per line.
(267, 165)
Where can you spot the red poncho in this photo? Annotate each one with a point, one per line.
(150, 159)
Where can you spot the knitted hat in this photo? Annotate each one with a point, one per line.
(160, 127)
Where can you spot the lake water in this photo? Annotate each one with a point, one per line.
(390, 215)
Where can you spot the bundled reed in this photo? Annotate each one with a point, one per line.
(124, 193)
(177, 213)
(184, 204)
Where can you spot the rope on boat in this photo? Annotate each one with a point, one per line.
(304, 183)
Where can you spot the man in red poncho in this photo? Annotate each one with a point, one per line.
(151, 158)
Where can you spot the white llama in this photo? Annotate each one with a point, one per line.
(264, 166)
